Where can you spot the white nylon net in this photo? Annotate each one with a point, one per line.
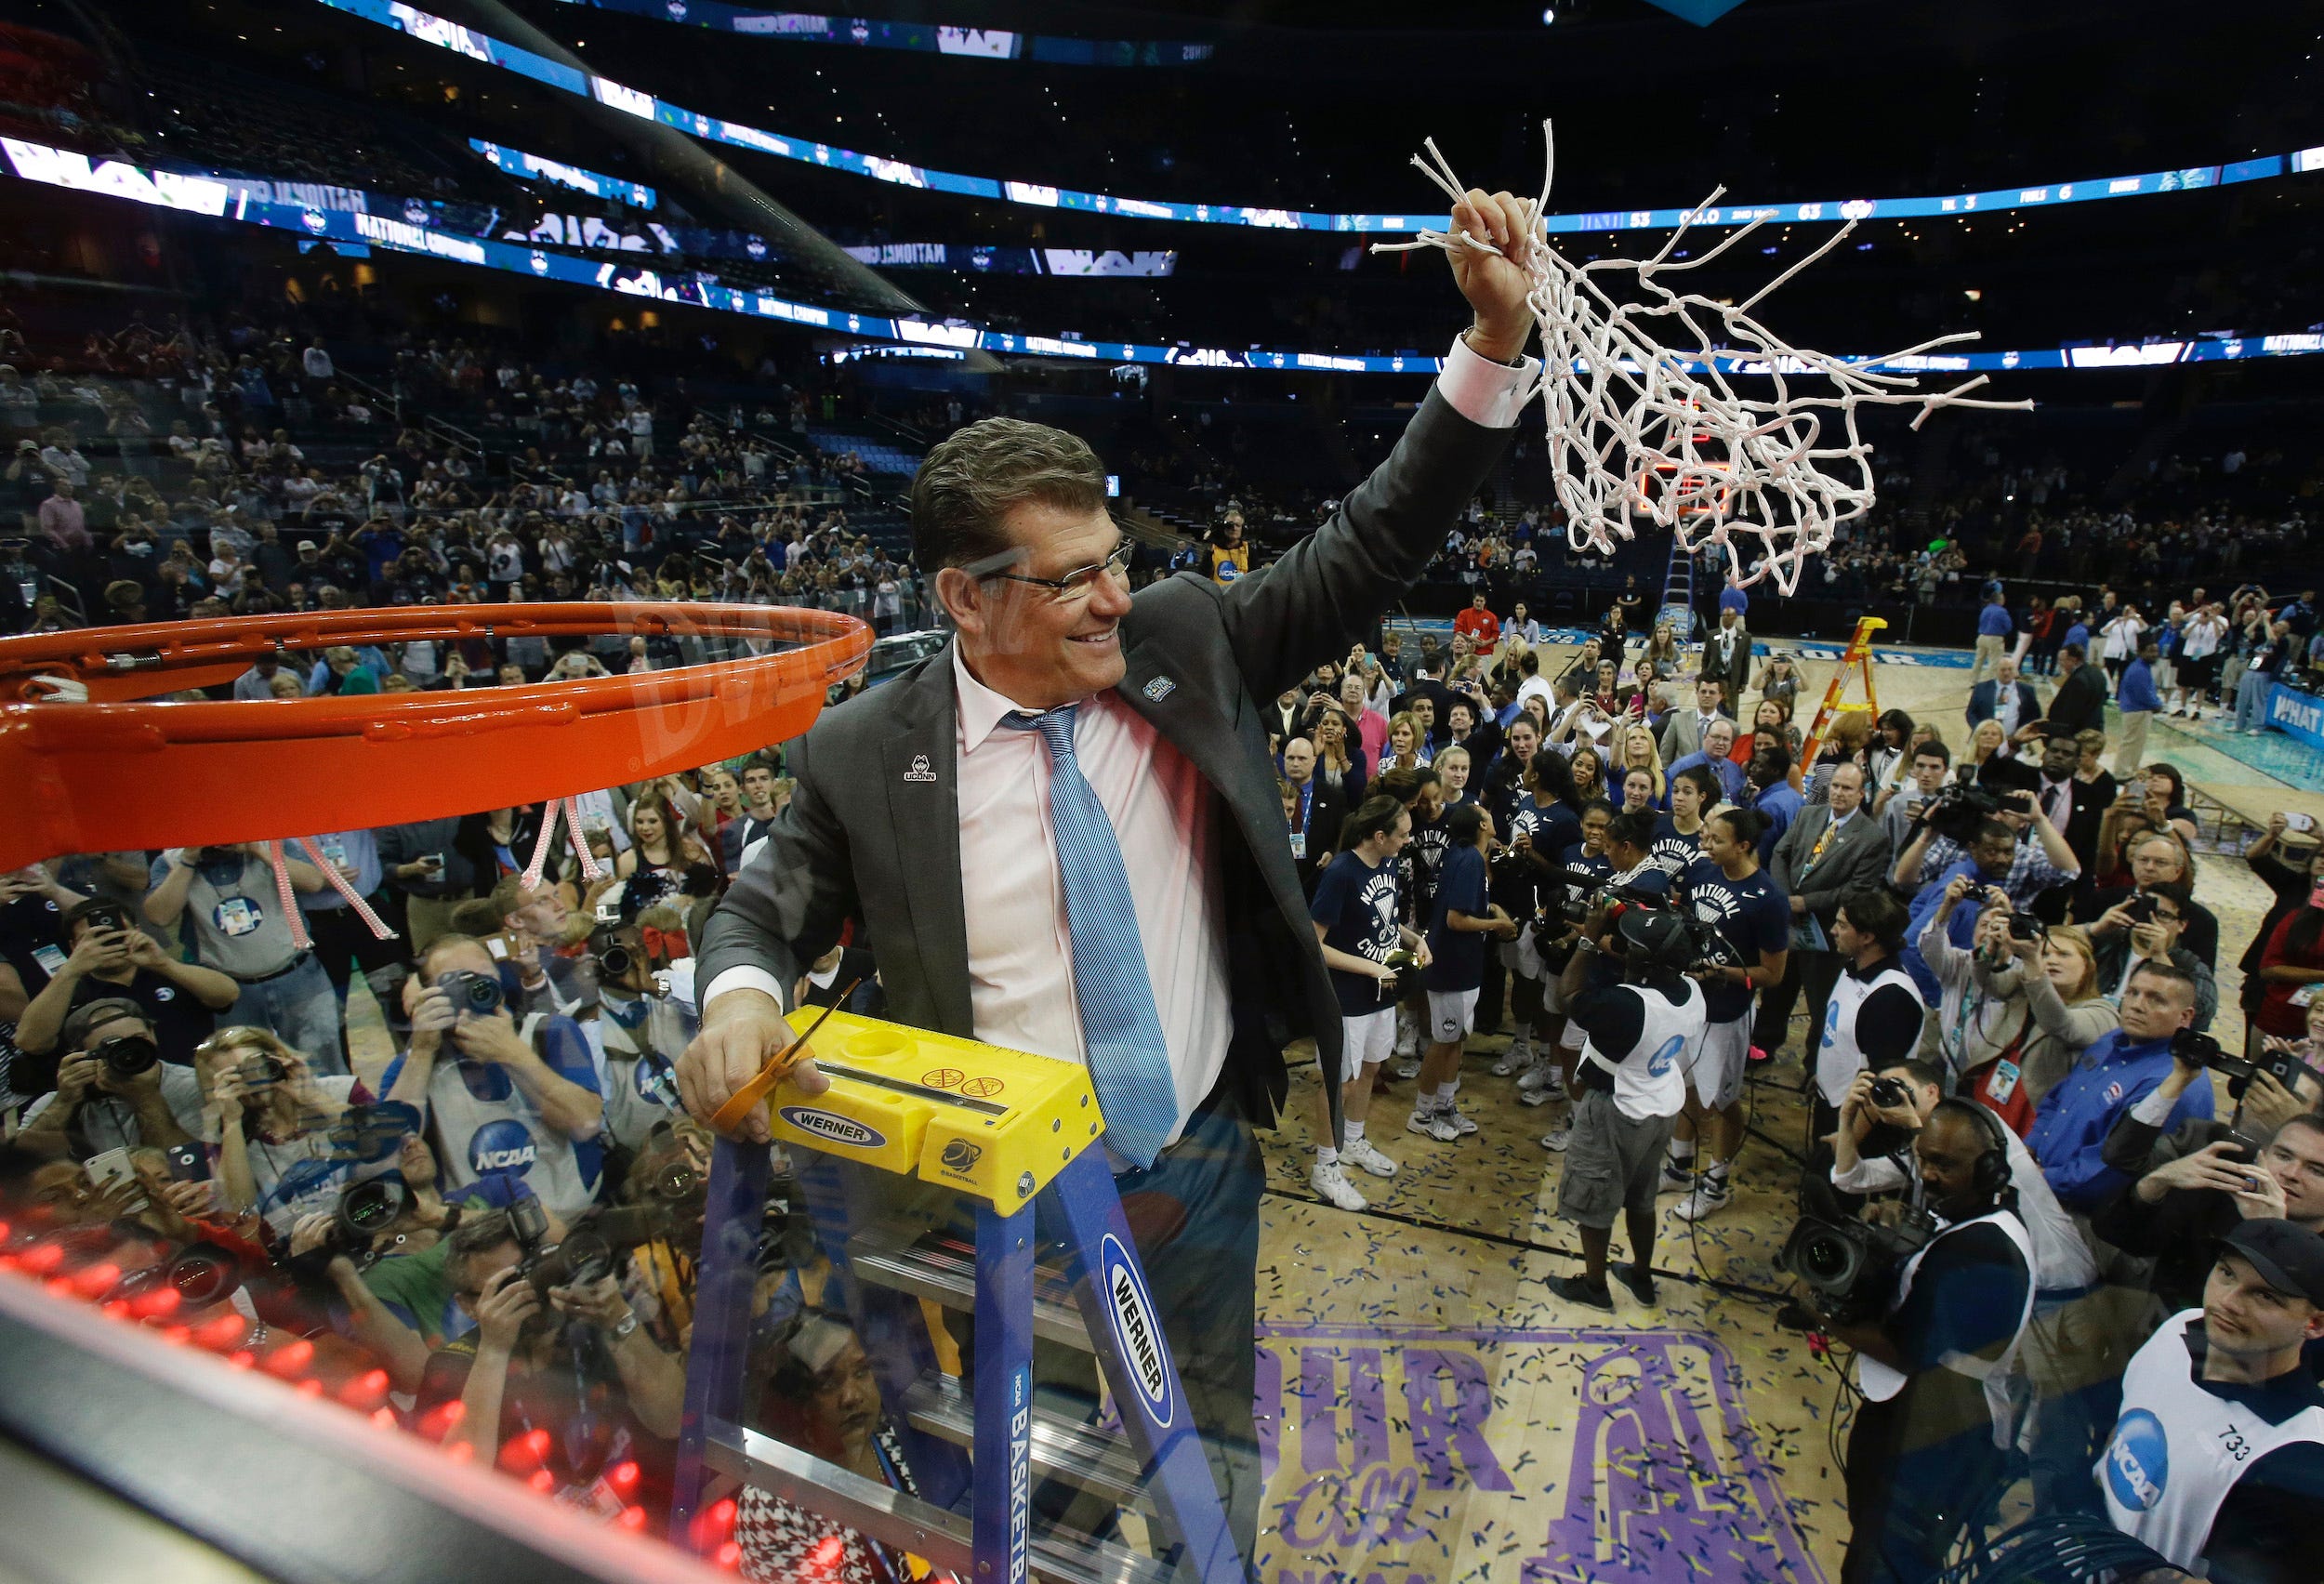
(1646, 425)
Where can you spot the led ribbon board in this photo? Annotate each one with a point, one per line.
(978, 44)
(212, 197)
(430, 29)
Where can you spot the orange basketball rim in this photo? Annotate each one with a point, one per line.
(124, 770)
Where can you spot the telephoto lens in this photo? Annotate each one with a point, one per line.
(127, 1055)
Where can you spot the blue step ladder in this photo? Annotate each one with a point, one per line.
(1678, 593)
(1099, 1302)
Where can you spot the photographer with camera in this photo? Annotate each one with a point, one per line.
(2107, 1080)
(572, 1360)
(513, 1107)
(2217, 1461)
(1355, 914)
(1628, 1086)
(2150, 928)
(2025, 856)
(1873, 1154)
(1936, 1345)
(112, 958)
(2154, 857)
(277, 1140)
(113, 1091)
(1727, 890)
(1875, 1014)
(641, 1028)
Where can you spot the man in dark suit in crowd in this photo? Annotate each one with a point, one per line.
(1063, 833)
(1315, 818)
(1727, 656)
(2001, 696)
(2079, 704)
(1831, 848)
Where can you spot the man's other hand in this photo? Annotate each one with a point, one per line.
(1496, 286)
(741, 1031)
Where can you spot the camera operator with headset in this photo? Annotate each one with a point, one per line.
(570, 1359)
(1933, 1362)
(1628, 1086)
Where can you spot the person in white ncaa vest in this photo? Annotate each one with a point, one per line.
(1928, 1443)
(1875, 1014)
(1628, 1086)
(2217, 1461)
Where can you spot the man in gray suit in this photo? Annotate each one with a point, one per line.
(1683, 733)
(1061, 834)
(1830, 850)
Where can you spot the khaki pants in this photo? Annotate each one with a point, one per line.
(2131, 745)
(1990, 648)
(429, 917)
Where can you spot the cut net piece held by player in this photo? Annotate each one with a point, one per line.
(1646, 423)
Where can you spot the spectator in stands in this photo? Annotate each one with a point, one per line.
(2292, 963)
(1479, 626)
(223, 902)
(2268, 660)
(2154, 857)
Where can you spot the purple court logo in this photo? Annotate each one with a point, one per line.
(1414, 1455)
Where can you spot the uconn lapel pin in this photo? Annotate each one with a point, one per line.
(919, 771)
(1160, 689)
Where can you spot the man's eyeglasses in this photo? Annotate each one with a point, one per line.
(1076, 584)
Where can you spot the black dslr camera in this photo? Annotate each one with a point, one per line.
(127, 1055)
(477, 993)
(1852, 1265)
(1957, 813)
(588, 1252)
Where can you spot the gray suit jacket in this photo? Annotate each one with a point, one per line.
(1682, 734)
(873, 830)
(1856, 859)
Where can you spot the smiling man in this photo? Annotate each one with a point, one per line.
(1063, 833)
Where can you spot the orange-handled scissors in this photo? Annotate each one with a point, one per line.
(747, 1097)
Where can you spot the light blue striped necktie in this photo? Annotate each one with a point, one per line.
(1129, 1067)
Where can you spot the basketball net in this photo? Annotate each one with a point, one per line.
(1645, 424)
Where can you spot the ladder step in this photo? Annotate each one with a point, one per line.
(1063, 1447)
(905, 1521)
(943, 1270)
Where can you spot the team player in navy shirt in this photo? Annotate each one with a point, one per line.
(1541, 827)
(1462, 919)
(1679, 834)
(1356, 911)
(1726, 888)
(1555, 1042)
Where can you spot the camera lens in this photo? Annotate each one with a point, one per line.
(128, 1056)
(1827, 1259)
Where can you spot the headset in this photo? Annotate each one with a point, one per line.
(1989, 1176)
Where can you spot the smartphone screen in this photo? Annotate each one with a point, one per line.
(111, 1167)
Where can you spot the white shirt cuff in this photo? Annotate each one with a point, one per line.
(745, 979)
(2153, 1108)
(1488, 394)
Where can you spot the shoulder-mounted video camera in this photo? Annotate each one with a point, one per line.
(1958, 812)
(1852, 1265)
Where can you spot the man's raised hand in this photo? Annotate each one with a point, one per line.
(1494, 283)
